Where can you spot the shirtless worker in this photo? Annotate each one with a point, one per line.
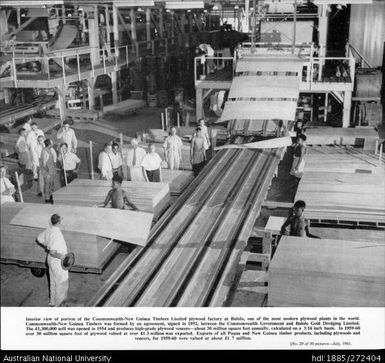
(296, 224)
(117, 196)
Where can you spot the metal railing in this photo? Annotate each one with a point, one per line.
(202, 65)
(329, 69)
(72, 61)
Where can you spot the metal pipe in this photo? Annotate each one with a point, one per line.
(294, 26)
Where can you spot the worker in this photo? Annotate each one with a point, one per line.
(104, 162)
(70, 163)
(117, 196)
(205, 133)
(52, 239)
(31, 141)
(299, 128)
(134, 159)
(116, 160)
(23, 151)
(208, 53)
(151, 165)
(298, 164)
(173, 149)
(7, 188)
(296, 224)
(27, 125)
(197, 152)
(48, 169)
(36, 153)
(68, 136)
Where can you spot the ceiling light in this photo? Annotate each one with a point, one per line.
(215, 7)
(236, 7)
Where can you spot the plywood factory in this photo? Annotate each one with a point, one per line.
(203, 153)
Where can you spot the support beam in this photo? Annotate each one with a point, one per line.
(115, 24)
(190, 22)
(93, 33)
(126, 26)
(199, 103)
(114, 87)
(161, 23)
(322, 28)
(20, 28)
(91, 93)
(133, 25)
(148, 27)
(62, 103)
(156, 25)
(198, 22)
(347, 109)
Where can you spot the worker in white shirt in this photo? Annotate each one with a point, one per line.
(7, 188)
(31, 141)
(52, 239)
(205, 133)
(36, 153)
(209, 52)
(116, 160)
(23, 151)
(105, 164)
(67, 135)
(28, 125)
(151, 165)
(134, 159)
(173, 149)
(70, 163)
(48, 159)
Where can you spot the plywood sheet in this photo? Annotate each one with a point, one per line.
(259, 110)
(121, 225)
(314, 272)
(254, 86)
(269, 64)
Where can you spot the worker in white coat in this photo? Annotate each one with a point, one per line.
(105, 163)
(67, 135)
(22, 150)
(133, 160)
(7, 188)
(52, 239)
(32, 142)
(36, 154)
(173, 149)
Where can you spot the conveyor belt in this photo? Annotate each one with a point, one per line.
(194, 249)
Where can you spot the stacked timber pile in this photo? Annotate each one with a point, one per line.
(178, 180)
(87, 231)
(193, 251)
(328, 273)
(7, 143)
(148, 197)
(336, 193)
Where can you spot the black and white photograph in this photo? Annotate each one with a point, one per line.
(194, 154)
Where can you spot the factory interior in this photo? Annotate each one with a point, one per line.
(261, 176)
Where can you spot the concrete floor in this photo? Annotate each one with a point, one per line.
(20, 288)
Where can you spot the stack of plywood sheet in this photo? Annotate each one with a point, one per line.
(18, 244)
(315, 272)
(148, 197)
(178, 180)
(343, 136)
(333, 192)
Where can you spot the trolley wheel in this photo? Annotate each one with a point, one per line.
(37, 271)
